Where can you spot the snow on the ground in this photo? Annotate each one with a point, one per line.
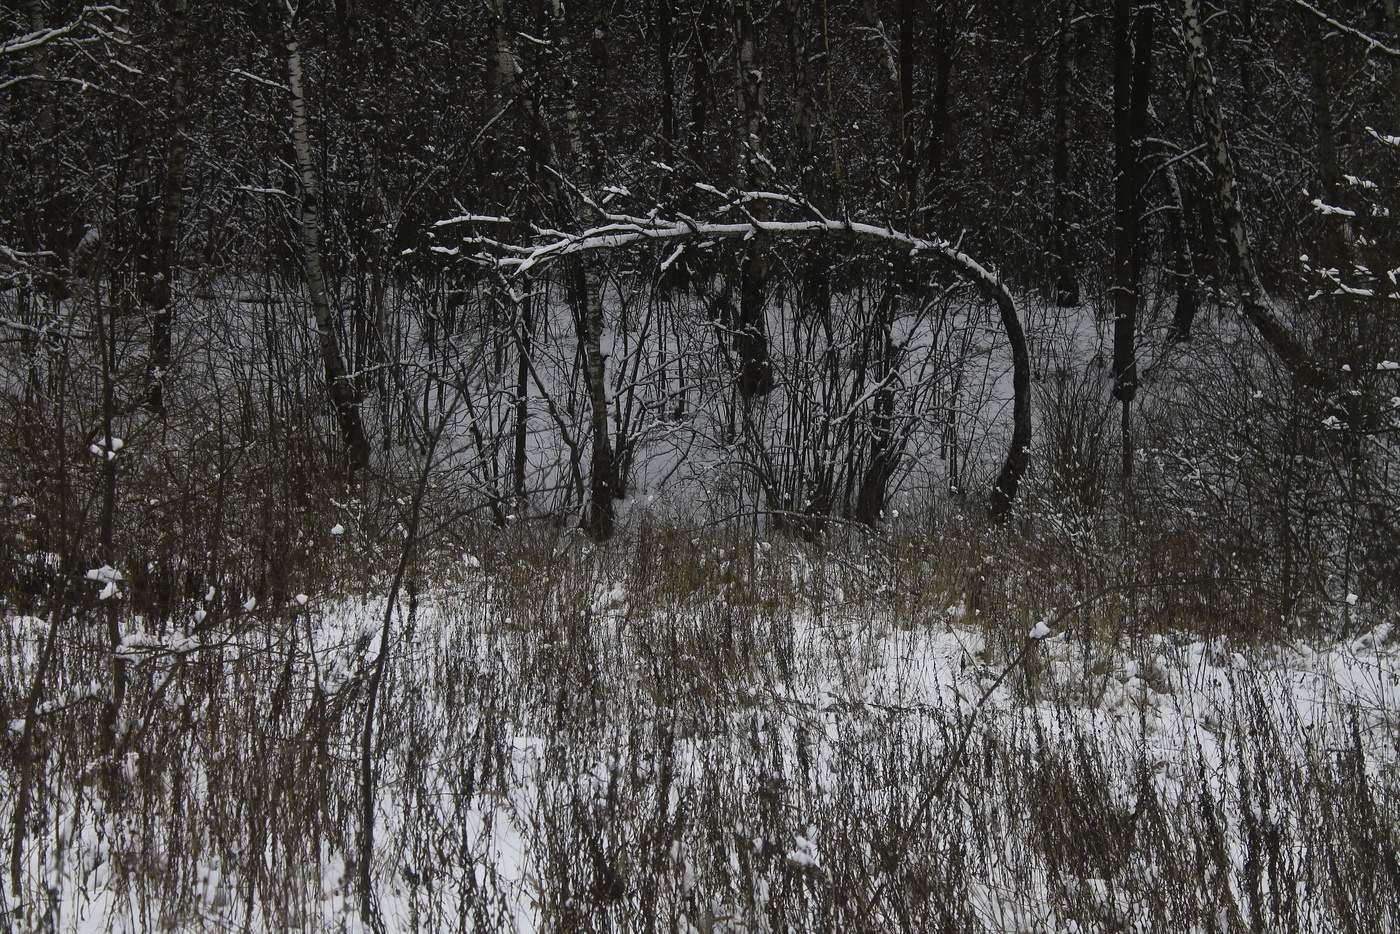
(1174, 696)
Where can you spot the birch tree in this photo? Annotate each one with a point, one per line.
(1255, 304)
(340, 384)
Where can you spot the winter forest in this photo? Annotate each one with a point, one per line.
(700, 465)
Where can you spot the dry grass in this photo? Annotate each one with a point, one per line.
(666, 761)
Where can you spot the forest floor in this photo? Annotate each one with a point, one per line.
(577, 744)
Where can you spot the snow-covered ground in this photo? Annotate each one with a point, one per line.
(561, 756)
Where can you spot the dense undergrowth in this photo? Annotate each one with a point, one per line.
(238, 691)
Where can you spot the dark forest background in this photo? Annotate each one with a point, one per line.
(272, 252)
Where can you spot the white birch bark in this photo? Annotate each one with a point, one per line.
(339, 384)
(1254, 300)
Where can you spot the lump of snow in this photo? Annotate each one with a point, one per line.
(337, 529)
(1384, 138)
(1039, 632)
(614, 599)
(472, 562)
(1388, 365)
(803, 853)
(105, 573)
(199, 615)
(106, 447)
(1352, 599)
(301, 599)
(1326, 209)
(108, 591)
(249, 604)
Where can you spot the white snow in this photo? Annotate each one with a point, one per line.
(1172, 696)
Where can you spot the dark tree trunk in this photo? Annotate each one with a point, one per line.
(524, 347)
(938, 144)
(1132, 32)
(700, 93)
(160, 279)
(1063, 249)
(1392, 19)
(1180, 224)
(1328, 173)
(909, 163)
(885, 440)
(1132, 63)
(751, 329)
(664, 28)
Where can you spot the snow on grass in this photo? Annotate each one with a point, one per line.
(561, 763)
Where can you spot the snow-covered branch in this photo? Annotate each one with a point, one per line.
(622, 231)
(42, 37)
(39, 37)
(1371, 42)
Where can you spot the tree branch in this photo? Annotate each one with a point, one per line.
(1372, 43)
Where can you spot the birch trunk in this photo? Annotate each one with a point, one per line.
(339, 384)
(1254, 300)
(603, 480)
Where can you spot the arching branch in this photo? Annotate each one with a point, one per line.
(1371, 42)
(622, 231)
